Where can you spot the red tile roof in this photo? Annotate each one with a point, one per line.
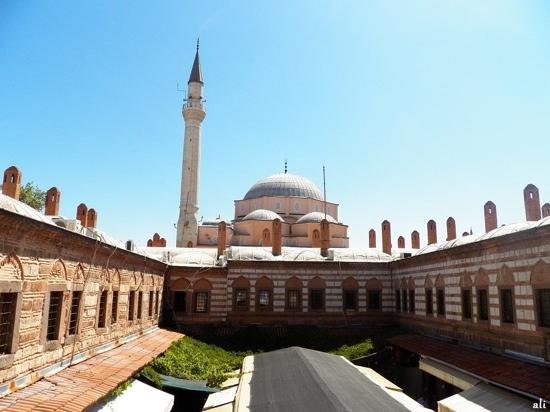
(522, 376)
(79, 386)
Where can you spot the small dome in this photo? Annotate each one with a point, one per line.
(195, 257)
(286, 185)
(315, 217)
(262, 214)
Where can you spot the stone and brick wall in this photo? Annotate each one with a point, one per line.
(518, 261)
(38, 259)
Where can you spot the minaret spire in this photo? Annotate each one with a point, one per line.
(193, 114)
(196, 75)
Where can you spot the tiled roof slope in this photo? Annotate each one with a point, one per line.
(521, 376)
(81, 385)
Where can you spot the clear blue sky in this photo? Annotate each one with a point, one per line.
(418, 109)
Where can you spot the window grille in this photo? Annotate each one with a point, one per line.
(73, 318)
(54, 315)
(8, 302)
(317, 299)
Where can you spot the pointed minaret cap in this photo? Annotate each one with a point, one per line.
(196, 75)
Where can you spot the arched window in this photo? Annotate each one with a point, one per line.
(412, 295)
(374, 294)
(316, 238)
(316, 289)
(266, 237)
(540, 281)
(293, 295)
(264, 294)
(241, 294)
(440, 295)
(11, 277)
(482, 291)
(350, 295)
(201, 296)
(428, 291)
(466, 296)
(180, 288)
(505, 283)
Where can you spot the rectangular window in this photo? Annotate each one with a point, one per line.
(150, 307)
(404, 300)
(201, 302)
(466, 304)
(482, 304)
(54, 315)
(73, 318)
(374, 301)
(102, 309)
(543, 298)
(131, 304)
(429, 302)
(506, 306)
(139, 304)
(293, 299)
(397, 300)
(264, 299)
(8, 302)
(157, 302)
(411, 300)
(440, 302)
(241, 300)
(114, 307)
(350, 299)
(180, 302)
(317, 299)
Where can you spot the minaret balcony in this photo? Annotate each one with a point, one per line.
(197, 104)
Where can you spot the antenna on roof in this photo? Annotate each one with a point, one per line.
(286, 166)
(324, 192)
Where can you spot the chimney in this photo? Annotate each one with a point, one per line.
(92, 218)
(82, 214)
(451, 228)
(277, 242)
(432, 232)
(372, 238)
(156, 241)
(415, 239)
(222, 237)
(401, 242)
(546, 210)
(12, 182)
(490, 212)
(532, 202)
(325, 237)
(51, 207)
(386, 237)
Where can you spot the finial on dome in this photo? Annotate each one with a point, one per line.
(286, 166)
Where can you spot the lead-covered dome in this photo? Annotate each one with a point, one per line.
(284, 184)
(315, 217)
(262, 214)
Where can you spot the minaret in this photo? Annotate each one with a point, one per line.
(193, 114)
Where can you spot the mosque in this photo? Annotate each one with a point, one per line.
(294, 200)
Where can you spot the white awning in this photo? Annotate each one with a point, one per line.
(138, 397)
(484, 398)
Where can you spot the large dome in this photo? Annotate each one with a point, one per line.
(284, 184)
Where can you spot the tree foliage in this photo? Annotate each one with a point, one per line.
(33, 196)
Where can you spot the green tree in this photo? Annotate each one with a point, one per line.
(33, 196)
